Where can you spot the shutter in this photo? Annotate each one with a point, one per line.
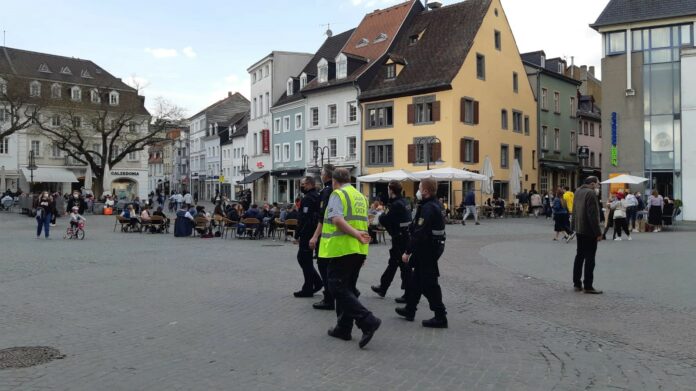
(412, 153)
(435, 152)
(462, 147)
(476, 112)
(476, 151)
(436, 111)
(411, 119)
(462, 110)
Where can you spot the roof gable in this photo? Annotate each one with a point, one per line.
(627, 11)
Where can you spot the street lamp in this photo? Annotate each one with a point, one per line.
(245, 168)
(427, 142)
(31, 167)
(319, 151)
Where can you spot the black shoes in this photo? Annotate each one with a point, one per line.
(408, 315)
(593, 291)
(302, 294)
(323, 305)
(378, 290)
(438, 322)
(340, 334)
(372, 324)
(578, 289)
(401, 300)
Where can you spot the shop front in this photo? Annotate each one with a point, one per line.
(51, 179)
(128, 184)
(287, 185)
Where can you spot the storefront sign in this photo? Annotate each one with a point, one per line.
(266, 140)
(125, 173)
(614, 137)
(259, 165)
(583, 152)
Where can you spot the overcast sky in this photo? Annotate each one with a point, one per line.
(192, 53)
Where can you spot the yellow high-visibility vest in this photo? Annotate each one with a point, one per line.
(334, 242)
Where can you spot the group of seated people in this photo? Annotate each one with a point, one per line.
(138, 220)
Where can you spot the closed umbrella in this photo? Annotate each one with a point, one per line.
(2, 178)
(106, 179)
(626, 179)
(487, 187)
(516, 178)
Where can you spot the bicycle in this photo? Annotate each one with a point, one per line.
(75, 233)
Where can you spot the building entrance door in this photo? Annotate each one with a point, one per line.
(663, 182)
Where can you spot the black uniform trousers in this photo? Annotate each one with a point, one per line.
(305, 257)
(323, 265)
(398, 248)
(343, 275)
(424, 280)
(585, 256)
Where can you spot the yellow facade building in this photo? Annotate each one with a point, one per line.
(454, 73)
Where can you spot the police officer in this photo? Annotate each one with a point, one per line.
(344, 243)
(396, 220)
(327, 303)
(425, 247)
(307, 224)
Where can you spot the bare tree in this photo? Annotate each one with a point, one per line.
(18, 109)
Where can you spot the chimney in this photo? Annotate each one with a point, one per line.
(592, 70)
(572, 66)
(229, 94)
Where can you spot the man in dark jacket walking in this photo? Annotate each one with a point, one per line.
(589, 233)
(309, 218)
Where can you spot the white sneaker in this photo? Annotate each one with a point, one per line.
(629, 238)
(617, 239)
(634, 230)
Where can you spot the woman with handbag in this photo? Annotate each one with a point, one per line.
(45, 210)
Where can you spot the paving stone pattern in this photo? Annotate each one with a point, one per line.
(154, 312)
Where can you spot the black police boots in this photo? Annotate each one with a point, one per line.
(323, 305)
(369, 325)
(401, 300)
(438, 322)
(378, 290)
(406, 313)
(340, 334)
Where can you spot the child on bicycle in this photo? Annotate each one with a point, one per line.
(75, 218)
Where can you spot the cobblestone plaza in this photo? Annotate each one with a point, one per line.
(146, 311)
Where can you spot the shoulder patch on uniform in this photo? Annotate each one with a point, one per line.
(420, 221)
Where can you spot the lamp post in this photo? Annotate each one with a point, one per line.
(31, 167)
(427, 142)
(245, 168)
(319, 151)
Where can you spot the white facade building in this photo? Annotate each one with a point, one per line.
(688, 116)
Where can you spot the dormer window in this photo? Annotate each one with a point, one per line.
(113, 98)
(44, 68)
(323, 70)
(85, 74)
(381, 37)
(362, 43)
(290, 87)
(560, 67)
(391, 71)
(3, 86)
(303, 80)
(55, 91)
(341, 66)
(35, 89)
(65, 71)
(94, 96)
(76, 94)
(543, 61)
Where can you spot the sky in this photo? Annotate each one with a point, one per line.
(193, 52)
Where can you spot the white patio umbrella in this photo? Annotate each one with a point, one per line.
(515, 178)
(2, 178)
(450, 174)
(396, 175)
(626, 179)
(487, 186)
(88, 178)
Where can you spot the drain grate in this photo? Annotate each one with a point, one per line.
(27, 356)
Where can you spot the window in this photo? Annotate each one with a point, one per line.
(544, 183)
(289, 87)
(504, 156)
(332, 147)
(584, 127)
(557, 102)
(423, 107)
(323, 70)
(276, 125)
(115, 151)
(254, 112)
(481, 66)
(298, 150)
(55, 151)
(516, 121)
(4, 146)
(267, 104)
(517, 155)
(94, 96)
(391, 71)
(303, 80)
(4, 114)
(3, 87)
(314, 114)
(544, 99)
(468, 151)
(380, 38)
(380, 115)
(592, 159)
(55, 120)
(55, 91)
(496, 38)
(526, 125)
(413, 39)
(557, 139)
(616, 42)
(298, 121)
(132, 127)
(515, 82)
(573, 142)
(600, 131)
(133, 156)
(36, 147)
(362, 43)
(470, 112)
(352, 111)
(331, 113)
(599, 163)
(313, 146)
(573, 108)
(352, 144)
(286, 123)
(592, 129)
(341, 66)
(276, 153)
(534, 160)
(504, 119)
(544, 137)
(253, 78)
(380, 153)
(286, 152)
(76, 94)
(77, 122)
(501, 188)
(35, 89)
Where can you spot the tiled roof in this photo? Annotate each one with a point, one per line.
(533, 59)
(236, 101)
(25, 63)
(627, 11)
(240, 120)
(435, 59)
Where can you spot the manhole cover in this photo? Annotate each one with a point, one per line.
(27, 356)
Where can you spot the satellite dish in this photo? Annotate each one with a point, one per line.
(329, 33)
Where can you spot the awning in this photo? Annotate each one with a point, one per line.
(253, 177)
(559, 166)
(51, 175)
(290, 172)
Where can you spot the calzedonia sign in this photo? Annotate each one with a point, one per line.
(125, 173)
(614, 137)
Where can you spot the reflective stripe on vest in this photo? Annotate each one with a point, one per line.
(335, 243)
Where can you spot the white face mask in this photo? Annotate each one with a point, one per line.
(419, 196)
(596, 191)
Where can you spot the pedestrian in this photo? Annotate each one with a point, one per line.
(307, 224)
(396, 219)
(586, 218)
(470, 206)
(608, 220)
(76, 200)
(620, 207)
(655, 205)
(426, 245)
(188, 199)
(45, 209)
(548, 205)
(344, 241)
(536, 203)
(631, 210)
(328, 302)
(561, 218)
